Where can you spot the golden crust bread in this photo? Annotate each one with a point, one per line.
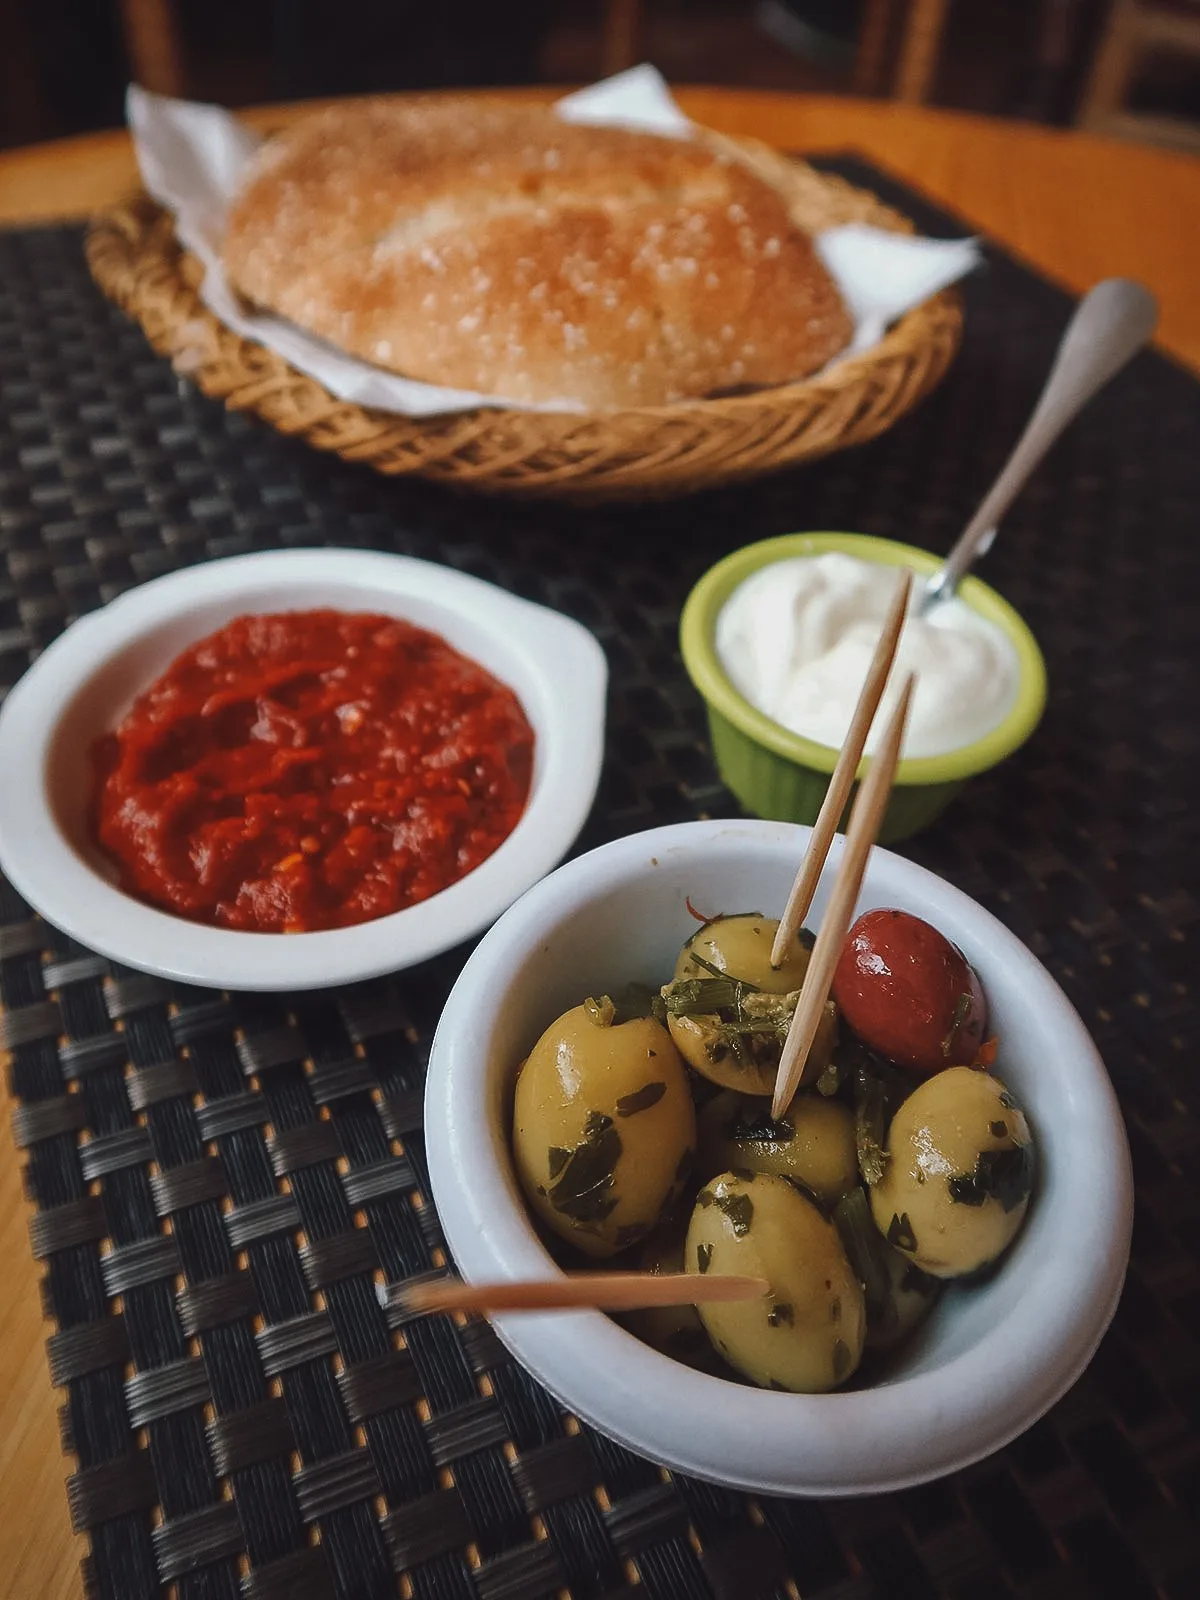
(503, 250)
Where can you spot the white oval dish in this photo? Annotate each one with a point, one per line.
(86, 680)
(992, 1357)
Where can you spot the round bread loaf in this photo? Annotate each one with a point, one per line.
(503, 250)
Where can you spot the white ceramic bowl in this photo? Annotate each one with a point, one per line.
(991, 1358)
(85, 681)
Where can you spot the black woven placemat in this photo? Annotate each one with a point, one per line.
(220, 1180)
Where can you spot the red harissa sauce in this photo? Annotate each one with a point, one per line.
(311, 769)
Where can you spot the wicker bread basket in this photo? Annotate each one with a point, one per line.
(137, 260)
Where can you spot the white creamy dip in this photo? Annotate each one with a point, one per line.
(796, 639)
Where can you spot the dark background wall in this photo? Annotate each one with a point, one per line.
(64, 63)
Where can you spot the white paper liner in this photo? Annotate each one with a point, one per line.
(192, 159)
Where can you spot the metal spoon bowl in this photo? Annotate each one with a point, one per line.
(1111, 324)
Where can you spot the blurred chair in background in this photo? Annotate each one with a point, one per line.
(1138, 30)
(22, 101)
(917, 57)
(64, 63)
(899, 47)
(154, 45)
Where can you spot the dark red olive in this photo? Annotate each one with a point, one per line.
(910, 994)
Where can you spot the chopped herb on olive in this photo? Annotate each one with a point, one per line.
(870, 1125)
(739, 1208)
(1008, 1101)
(753, 1126)
(707, 966)
(835, 1310)
(900, 1232)
(744, 1173)
(601, 1011)
(781, 1312)
(830, 1081)
(702, 997)
(634, 1001)
(962, 1010)
(706, 1198)
(1003, 1175)
(998, 1129)
(641, 1099)
(557, 1159)
(704, 1254)
(582, 1191)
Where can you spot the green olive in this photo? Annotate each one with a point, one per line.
(812, 1143)
(675, 1330)
(807, 1333)
(751, 1066)
(740, 947)
(603, 1129)
(958, 1175)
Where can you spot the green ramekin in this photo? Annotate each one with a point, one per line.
(778, 774)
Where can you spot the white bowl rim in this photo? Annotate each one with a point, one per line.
(945, 1420)
(45, 869)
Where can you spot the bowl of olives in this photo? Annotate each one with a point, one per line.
(942, 1214)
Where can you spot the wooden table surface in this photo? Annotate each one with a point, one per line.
(1078, 208)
